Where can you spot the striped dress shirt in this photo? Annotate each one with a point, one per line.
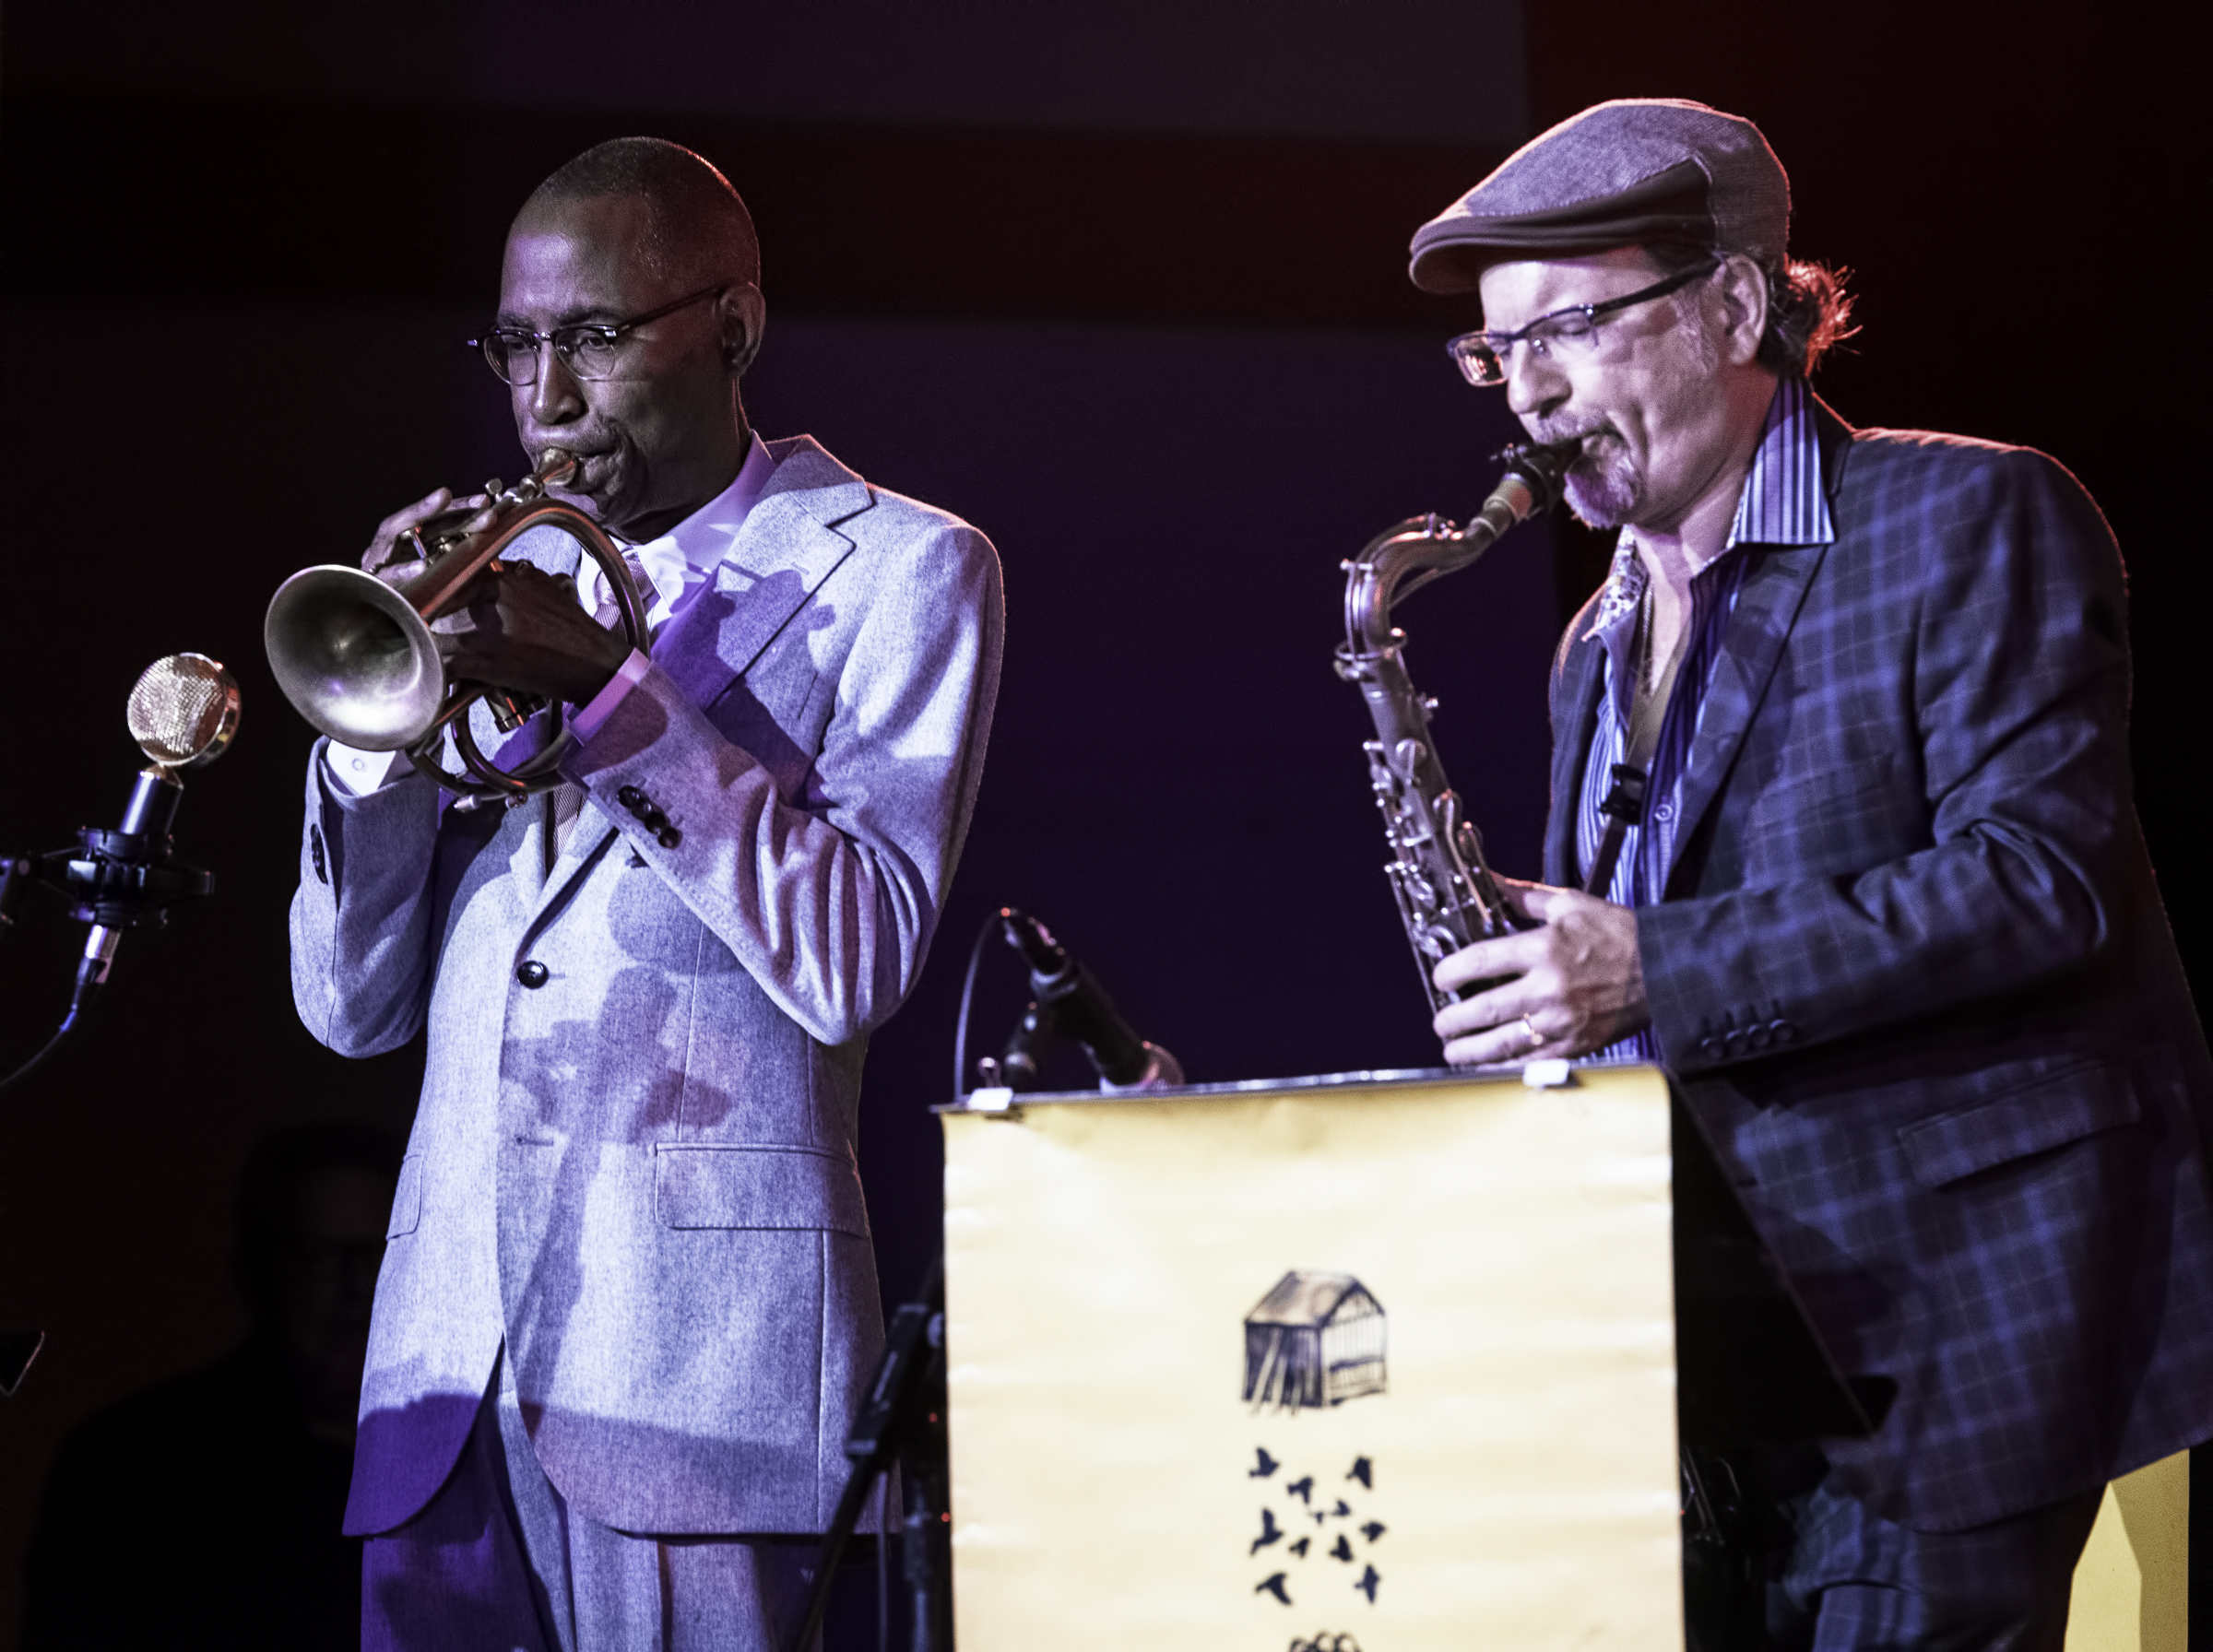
(1783, 503)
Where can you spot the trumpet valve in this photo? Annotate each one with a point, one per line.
(511, 710)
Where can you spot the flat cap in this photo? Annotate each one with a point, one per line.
(1632, 171)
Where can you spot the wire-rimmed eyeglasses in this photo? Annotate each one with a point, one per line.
(1482, 356)
(589, 349)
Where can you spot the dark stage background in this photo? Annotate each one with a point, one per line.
(1124, 285)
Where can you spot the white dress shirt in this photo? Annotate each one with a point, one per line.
(678, 566)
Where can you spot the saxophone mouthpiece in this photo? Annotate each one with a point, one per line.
(1563, 453)
(1543, 467)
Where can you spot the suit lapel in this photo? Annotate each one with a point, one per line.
(1575, 698)
(788, 546)
(1765, 610)
(1767, 607)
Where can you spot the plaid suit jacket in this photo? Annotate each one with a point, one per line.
(1914, 980)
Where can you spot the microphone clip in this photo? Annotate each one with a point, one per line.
(126, 879)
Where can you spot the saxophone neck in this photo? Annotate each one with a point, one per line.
(1408, 555)
(1373, 577)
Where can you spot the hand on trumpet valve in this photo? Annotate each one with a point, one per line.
(521, 628)
(396, 563)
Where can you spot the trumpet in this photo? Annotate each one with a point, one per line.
(355, 653)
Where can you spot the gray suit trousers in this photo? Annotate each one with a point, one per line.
(499, 1561)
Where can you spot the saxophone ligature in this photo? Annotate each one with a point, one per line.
(355, 653)
(1447, 897)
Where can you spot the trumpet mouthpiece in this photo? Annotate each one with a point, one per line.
(556, 465)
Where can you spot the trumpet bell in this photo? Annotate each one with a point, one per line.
(354, 657)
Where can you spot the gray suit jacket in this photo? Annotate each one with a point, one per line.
(640, 1175)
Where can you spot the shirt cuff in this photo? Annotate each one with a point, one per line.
(360, 771)
(593, 717)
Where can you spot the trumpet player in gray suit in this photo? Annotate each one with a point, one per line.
(628, 1300)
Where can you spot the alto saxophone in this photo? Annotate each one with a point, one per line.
(1446, 896)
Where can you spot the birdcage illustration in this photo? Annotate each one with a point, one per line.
(1316, 1339)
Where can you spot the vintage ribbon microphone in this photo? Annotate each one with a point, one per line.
(183, 714)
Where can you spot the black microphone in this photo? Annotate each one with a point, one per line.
(182, 713)
(1071, 1004)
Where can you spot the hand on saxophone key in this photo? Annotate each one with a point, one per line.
(1575, 984)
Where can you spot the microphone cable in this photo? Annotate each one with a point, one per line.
(960, 1034)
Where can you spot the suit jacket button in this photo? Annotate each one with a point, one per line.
(629, 796)
(670, 837)
(1781, 1031)
(531, 973)
(1737, 1042)
(1711, 1048)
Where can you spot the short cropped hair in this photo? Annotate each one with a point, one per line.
(1808, 310)
(697, 227)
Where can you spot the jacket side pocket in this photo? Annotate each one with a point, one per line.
(718, 1186)
(2049, 1113)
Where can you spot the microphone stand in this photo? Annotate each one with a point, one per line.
(901, 1420)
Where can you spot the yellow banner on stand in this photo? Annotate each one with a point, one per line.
(1367, 1366)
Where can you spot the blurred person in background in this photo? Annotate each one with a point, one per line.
(206, 1511)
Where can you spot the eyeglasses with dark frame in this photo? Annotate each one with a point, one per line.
(1482, 356)
(589, 349)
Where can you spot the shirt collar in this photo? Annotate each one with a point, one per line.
(702, 541)
(1785, 502)
(681, 561)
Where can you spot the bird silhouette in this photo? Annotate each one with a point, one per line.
(1367, 1585)
(1342, 1509)
(1274, 1585)
(1373, 1529)
(1301, 1489)
(1301, 1547)
(1269, 1532)
(1363, 1471)
(1267, 1466)
(1344, 1549)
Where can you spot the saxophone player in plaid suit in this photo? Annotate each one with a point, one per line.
(1878, 901)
